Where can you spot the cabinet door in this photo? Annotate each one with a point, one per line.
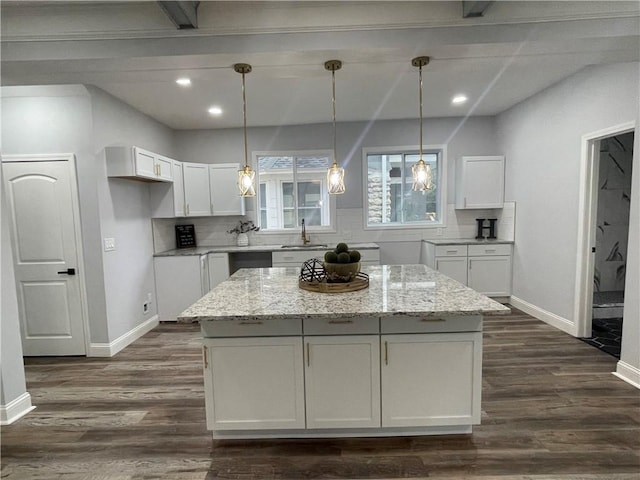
(225, 196)
(342, 375)
(454, 267)
(164, 168)
(196, 189)
(218, 268)
(480, 182)
(178, 284)
(179, 205)
(145, 163)
(490, 275)
(431, 379)
(254, 383)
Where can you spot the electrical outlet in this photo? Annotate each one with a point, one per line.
(109, 244)
(145, 307)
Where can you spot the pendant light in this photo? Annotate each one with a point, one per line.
(246, 176)
(335, 174)
(421, 171)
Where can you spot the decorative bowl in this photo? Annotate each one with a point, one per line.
(341, 272)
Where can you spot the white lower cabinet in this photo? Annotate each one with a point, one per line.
(254, 383)
(181, 280)
(454, 267)
(345, 376)
(431, 379)
(342, 376)
(218, 268)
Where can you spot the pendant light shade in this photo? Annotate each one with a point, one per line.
(421, 171)
(335, 174)
(246, 176)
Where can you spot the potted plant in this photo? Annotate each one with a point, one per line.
(242, 228)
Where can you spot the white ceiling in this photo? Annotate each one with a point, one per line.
(133, 51)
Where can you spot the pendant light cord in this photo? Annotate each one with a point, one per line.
(333, 82)
(420, 112)
(244, 121)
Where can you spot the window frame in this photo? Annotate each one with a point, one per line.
(331, 228)
(441, 150)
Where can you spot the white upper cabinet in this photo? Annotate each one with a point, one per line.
(225, 196)
(135, 162)
(167, 199)
(196, 189)
(480, 182)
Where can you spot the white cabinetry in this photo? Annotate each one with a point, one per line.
(135, 162)
(225, 196)
(431, 379)
(342, 381)
(490, 269)
(167, 200)
(484, 267)
(295, 258)
(480, 182)
(181, 280)
(196, 189)
(218, 268)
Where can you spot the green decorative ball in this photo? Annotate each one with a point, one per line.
(342, 247)
(343, 257)
(354, 256)
(331, 257)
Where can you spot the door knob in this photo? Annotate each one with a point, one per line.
(68, 271)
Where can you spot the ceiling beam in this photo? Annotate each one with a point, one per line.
(474, 8)
(184, 14)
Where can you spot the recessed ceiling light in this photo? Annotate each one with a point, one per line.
(215, 110)
(183, 82)
(459, 99)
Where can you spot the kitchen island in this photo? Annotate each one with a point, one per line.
(401, 357)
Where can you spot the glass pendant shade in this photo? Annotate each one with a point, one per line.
(335, 174)
(421, 171)
(246, 176)
(422, 176)
(335, 179)
(246, 183)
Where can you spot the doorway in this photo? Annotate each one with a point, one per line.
(607, 164)
(43, 206)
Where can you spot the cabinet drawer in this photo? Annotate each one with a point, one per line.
(493, 249)
(463, 323)
(341, 326)
(451, 250)
(295, 258)
(252, 328)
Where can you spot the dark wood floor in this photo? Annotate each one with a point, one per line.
(551, 410)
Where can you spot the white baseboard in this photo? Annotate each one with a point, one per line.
(546, 316)
(110, 349)
(15, 409)
(628, 373)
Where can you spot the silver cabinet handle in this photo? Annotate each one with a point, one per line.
(251, 323)
(432, 320)
(205, 355)
(308, 355)
(386, 353)
(338, 322)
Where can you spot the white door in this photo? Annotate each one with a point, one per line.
(225, 196)
(342, 381)
(40, 196)
(196, 189)
(490, 275)
(454, 267)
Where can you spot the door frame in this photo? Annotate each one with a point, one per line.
(587, 211)
(75, 201)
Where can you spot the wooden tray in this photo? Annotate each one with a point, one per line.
(359, 283)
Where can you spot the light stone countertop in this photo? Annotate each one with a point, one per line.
(202, 250)
(273, 293)
(466, 241)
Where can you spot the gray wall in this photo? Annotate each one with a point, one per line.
(542, 141)
(12, 381)
(125, 212)
(58, 119)
(474, 136)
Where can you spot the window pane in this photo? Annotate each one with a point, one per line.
(287, 195)
(289, 218)
(390, 197)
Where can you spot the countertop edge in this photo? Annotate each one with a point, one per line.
(204, 249)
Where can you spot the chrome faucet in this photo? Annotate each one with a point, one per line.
(305, 239)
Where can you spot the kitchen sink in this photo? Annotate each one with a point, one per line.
(304, 247)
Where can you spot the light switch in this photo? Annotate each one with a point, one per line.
(109, 244)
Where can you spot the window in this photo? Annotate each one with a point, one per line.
(390, 202)
(293, 186)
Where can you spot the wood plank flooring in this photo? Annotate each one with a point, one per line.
(551, 410)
